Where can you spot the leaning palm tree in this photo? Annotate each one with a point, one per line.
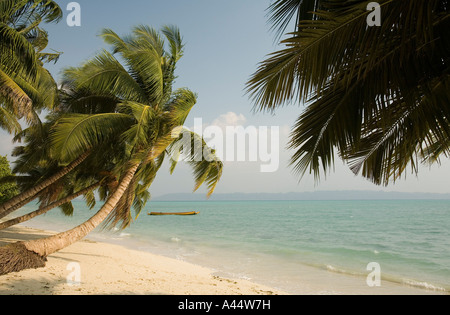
(26, 87)
(133, 106)
(378, 96)
(94, 174)
(64, 203)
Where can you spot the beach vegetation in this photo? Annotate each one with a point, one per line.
(7, 189)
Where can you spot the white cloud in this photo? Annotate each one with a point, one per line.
(230, 119)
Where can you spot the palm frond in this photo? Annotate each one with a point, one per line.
(207, 167)
(143, 55)
(402, 134)
(105, 76)
(110, 37)
(17, 53)
(122, 212)
(175, 40)
(16, 10)
(11, 92)
(142, 132)
(76, 133)
(364, 87)
(283, 13)
(181, 104)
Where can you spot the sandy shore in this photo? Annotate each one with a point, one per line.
(112, 269)
(105, 268)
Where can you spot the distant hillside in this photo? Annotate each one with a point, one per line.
(319, 195)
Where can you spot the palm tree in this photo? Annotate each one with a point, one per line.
(24, 83)
(35, 162)
(26, 87)
(32, 193)
(378, 96)
(42, 210)
(95, 173)
(134, 107)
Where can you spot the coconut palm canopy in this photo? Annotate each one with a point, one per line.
(131, 101)
(379, 97)
(25, 86)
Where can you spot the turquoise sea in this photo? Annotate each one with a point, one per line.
(280, 243)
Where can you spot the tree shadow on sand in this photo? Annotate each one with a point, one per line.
(17, 234)
(12, 285)
(15, 283)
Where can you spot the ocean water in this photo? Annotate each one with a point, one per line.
(292, 244)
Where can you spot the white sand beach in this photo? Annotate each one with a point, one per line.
(112, 269)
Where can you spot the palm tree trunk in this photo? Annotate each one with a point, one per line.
(46, 209)
(50, 245)
(9, 206)
(21, 204)
(32, 254)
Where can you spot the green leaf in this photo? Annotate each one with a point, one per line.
(76, 133)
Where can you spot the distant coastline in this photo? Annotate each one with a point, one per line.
(317, 195)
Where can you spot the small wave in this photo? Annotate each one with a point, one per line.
(123, 234)
(231, 276)
(180, 257)
(337, 270)
(331, 268)
(424, 285)
(175, 239)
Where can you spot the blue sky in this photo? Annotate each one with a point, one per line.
(225, 41)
